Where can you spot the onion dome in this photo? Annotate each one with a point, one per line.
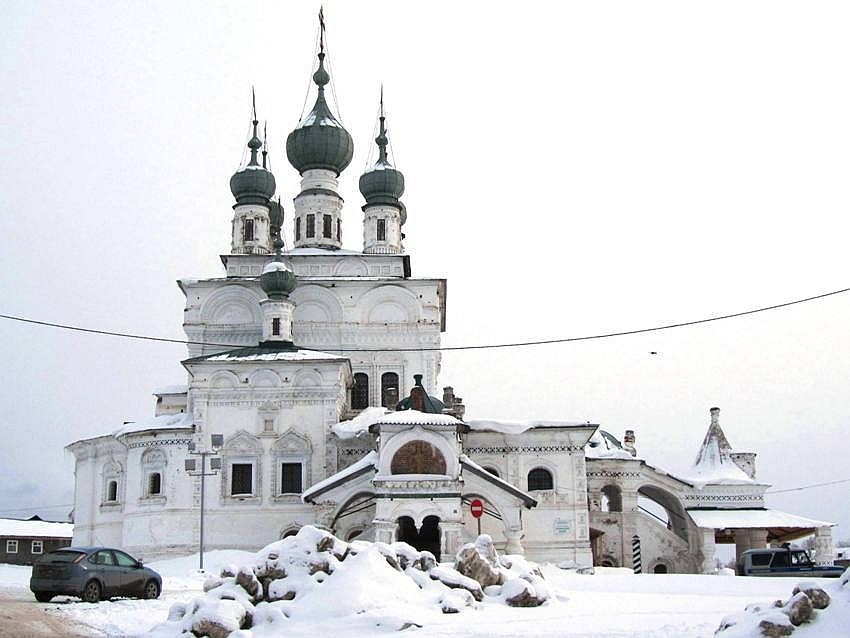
(320, 141)
(253, 184)
(420, 400)
(383, 184)
(277, 279)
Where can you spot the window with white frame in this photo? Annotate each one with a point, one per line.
(154, 461)
(112, 491)
(11, 547)
(291, 454)
(241, 479)
(291, 478)
(37, 547)
(241, 466)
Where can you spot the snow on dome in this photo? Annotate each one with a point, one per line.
(181, 420)
(276, 266)
(518, 427)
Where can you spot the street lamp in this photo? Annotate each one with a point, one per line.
(217, 440)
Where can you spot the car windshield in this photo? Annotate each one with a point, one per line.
(62, 557)
(800, 558)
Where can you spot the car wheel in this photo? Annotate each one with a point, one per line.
(151, 590)
(91, 592)
(43, 596)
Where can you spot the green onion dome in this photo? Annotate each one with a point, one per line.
(320, 141)
(277, 279)
(383, 183)
(253, 184)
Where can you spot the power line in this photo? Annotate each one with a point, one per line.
(808, 487)
(515, 344)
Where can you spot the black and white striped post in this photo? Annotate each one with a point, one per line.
(636, 562)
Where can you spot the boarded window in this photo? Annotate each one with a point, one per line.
(389, 389)
(382, 230)
(112, 491)
(241, 478)
(311, 225)
(276, 326)
(539, 479)
(155, 484)
(418, 457)
(327, 226)
(360, 391)
(248, 230)
(290, 478)
(297, 228)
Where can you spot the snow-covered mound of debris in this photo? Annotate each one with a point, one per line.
(811, 611)
(315, 574)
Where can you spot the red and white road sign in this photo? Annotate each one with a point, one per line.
(476, 508)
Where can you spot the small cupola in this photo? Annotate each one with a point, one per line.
(253, 186)
(382, 186)
(420, 400)
(277, 281)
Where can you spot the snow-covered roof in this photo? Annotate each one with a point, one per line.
(171, 389)
(465, 461)
(366, 464)
(518, 427)
(752, 518)
(714, 464)
(604, 446)
(180, 421)
(35, 529)
(322, 251)
(370, 416)
(257, 354)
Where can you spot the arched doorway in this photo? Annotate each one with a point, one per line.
(426, 538)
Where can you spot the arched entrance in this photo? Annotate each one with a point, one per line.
(426, 538)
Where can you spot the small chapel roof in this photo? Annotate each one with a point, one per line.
(714, 464)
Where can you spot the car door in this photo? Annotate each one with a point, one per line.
(132, 575)
(108, 572)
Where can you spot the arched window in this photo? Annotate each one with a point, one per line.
(155, 484)
(360, 391)
(248, 230)
(539, 479)
(112, 491)
(660, 568)
(389, 389)
(612, 499)
(327, 225)
(381, 230)
(418, 457)
(311, 225)
(297, 228)
(338, 230)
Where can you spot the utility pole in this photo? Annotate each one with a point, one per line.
(192, 470)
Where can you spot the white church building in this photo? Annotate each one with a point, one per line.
(310, 399)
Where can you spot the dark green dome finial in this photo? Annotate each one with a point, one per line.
(253, 184)
(320, 141)
(383, 184)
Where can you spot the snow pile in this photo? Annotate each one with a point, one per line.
(275, 266)
(602, 445)
(811, 610)
(359, 424)
(316, 575)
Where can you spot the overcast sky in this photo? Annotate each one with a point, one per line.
(571, 169)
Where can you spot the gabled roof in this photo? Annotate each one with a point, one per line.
(470, 465)
(368, 463)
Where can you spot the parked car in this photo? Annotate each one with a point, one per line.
(783, 561)
(92, 573)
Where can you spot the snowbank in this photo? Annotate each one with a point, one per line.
(316, 575)
(813, 610)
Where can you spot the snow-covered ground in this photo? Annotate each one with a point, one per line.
(612, 603)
